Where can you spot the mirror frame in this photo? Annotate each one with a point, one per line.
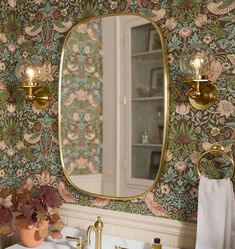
(166, 108)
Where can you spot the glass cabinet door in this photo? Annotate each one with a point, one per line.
(147, 101)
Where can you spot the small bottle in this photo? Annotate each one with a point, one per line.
(145, 138)
(157, 244)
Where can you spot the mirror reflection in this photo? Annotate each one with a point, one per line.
(112, 105)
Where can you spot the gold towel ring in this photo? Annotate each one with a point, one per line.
(216, 150)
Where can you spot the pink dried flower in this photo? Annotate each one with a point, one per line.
(32, 206)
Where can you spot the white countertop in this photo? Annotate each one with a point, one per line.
(109, 242)
(58, 245)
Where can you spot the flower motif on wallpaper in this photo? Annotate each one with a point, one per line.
(180, 166)
(82, 95)
(12, 25)
(171, 58)
(2, 145)
(11, 107)
(81, 28)
(2, 85)
(194, 156)
(185, 32)
(207, 39)
(19, 172)
(20, 145)
(183, 138)
(2, 173)
(216, 71)
(193, 192)
(200, 20)
(170, 23)
(168, 156)
(231, 58)
(226, 108)
(215, 131)
(47, 71)
(11, 131)
(45, 178)
(76, 116)
(11, 152)
(165, 189)
(12, 3)
(3, 38)
(2, 66)
(11, 48)
(113, 5)
(38, 2)
(182, 108)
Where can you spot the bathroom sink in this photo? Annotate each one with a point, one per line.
(108, 242)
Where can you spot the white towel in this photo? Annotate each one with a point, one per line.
(216, 211)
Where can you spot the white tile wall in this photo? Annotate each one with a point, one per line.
(145, 228)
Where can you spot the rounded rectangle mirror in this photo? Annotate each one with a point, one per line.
(113, 105)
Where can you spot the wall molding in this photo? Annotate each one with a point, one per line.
(133, 226)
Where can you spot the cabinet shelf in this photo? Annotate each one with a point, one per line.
(148, 98)
(148, 55)
(146, 145)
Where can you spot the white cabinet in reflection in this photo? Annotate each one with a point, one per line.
(136, 102)
(145, 111)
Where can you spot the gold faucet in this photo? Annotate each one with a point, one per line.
(98, 228)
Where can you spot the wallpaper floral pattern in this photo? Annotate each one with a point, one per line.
(81, 100)
(29, 152)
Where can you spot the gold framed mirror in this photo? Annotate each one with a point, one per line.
(113, 105)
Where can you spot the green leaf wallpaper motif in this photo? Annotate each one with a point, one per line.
(29, 151)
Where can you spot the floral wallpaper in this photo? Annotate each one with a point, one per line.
(29, 151)
(81, 100)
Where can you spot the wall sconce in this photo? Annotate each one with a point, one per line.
(28, 73)
(196, 63)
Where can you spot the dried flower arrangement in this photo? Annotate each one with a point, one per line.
(31, 208)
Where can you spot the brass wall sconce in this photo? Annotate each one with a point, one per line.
(196, 63)
(28, 73)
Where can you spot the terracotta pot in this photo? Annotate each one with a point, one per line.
(29, 236)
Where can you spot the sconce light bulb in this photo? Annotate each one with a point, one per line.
(30, 73)
(197, 63)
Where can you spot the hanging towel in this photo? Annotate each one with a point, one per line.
(216, 211)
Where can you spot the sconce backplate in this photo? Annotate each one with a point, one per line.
(42, 98)
(207, 98)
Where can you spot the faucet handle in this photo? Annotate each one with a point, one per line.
(99, 224)
(119, 247)
(78, 240)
